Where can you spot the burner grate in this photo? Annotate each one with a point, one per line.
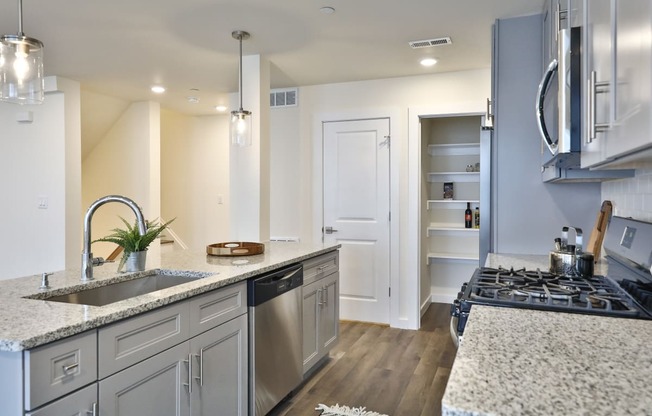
(544, 290)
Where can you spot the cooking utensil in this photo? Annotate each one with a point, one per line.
(563, 260)
(599, 230)
(584, 264)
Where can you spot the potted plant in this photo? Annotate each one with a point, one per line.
(134, 244)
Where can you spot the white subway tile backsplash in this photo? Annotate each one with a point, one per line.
(631, 197)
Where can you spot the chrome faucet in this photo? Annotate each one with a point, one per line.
(88, 261)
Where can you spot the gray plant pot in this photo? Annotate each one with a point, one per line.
(136, 261)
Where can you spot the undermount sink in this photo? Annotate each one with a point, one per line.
(116, 292)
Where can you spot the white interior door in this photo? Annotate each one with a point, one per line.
(356, 208)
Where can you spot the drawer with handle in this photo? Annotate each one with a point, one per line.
(319, 267)
(56, 369)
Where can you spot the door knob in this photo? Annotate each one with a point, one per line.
(328, 230)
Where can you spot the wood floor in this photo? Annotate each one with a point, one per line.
(390, 371)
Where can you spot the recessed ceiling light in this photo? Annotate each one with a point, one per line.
(327, 10)
(220, 108)
(428, 61)
(158, 89)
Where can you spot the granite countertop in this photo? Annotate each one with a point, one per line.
(27, 323)
(528, 362)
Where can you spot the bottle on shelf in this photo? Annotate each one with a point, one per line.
(468, 216)
(476, 218)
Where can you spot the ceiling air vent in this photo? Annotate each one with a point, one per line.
(416, 44)
(286, 97)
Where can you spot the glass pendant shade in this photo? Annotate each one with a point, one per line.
(241, 128)
(21, 67)
(240, 119)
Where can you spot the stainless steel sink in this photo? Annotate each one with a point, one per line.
(116, 292)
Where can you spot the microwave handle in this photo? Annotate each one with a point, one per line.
(541, 95)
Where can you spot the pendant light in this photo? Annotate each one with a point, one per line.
(240, 119)
(21, 66)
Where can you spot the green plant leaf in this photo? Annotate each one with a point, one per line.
(130, 239)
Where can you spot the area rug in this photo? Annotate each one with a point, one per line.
(338, 410)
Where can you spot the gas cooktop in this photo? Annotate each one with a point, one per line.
(626, 292)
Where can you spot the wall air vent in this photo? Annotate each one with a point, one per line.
(286, 97)
(417, 44)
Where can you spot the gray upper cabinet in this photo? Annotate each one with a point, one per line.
(633, 52)
(617, 73)
(597, 73)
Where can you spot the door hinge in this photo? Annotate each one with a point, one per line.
(389, 216)
(390, 292)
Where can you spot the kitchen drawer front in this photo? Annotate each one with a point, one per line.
(128, 342)
(319, 267)
(214, 308)
(56, 369)
(78, 403)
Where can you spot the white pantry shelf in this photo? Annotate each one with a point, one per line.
(453, 256)
(449, 203)
(450, 228)
(458, 149)
(453, 176)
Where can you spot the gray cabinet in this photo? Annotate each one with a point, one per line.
(79, 403)
(320, 309)
(219, 375)
(202, 375)
(157, 386)
(633, 75)
(597, 100)
(617, 68)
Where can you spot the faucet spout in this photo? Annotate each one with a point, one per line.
(87, 257)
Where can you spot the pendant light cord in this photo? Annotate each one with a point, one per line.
(20, 18)
(240, 80)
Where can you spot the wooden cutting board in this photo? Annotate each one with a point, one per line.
(599, 230)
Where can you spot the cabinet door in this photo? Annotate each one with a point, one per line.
(311, 306)
(633, 53)
(154, 387)
(329, 313)
(220, 370)
(597, 97)
(79, 403)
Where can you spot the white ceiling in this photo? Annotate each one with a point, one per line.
(122, 47)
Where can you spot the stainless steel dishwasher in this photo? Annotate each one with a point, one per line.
(275, 337)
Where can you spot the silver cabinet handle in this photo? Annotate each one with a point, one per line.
(320, 297)
(325, 290)
(67, 369)
(200, 357)
(189, 383)
(93, 411)
(594, 89)
(329, 230)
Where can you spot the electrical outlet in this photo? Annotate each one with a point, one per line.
(42, 202)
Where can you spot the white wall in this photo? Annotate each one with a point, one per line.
(194, 176)
(40, 159)
(631, 197)
(126, 162)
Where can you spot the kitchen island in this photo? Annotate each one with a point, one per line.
(28, 323)
(516, 361)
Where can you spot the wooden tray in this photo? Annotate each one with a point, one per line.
(235, 248)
